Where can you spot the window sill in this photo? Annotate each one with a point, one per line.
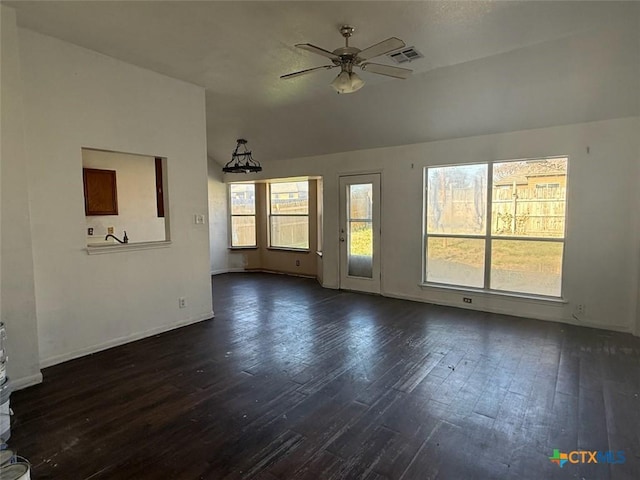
(494, 293)
(126, 247)
(286, 249)
(243, 248)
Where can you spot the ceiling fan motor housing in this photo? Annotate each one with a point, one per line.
(348, 57)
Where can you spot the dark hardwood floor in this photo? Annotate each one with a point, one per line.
(293, 381)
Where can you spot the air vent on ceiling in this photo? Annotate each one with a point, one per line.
(405, 55)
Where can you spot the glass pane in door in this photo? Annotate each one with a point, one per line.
(360, 234)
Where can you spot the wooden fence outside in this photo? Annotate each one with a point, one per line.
(525, 211)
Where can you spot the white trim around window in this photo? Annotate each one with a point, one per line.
(242, 215)
(288, 222)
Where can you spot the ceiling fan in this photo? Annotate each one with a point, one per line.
(348, 57)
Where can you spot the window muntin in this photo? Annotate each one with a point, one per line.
(521, 250)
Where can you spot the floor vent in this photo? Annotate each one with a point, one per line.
(405, 55)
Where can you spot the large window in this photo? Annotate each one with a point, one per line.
(242, 200)
(497, 225)
(289, 215)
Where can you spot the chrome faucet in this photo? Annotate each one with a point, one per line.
(125, 239)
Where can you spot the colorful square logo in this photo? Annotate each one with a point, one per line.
(559, 458)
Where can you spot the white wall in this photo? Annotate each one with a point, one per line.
(637, 330)
(218, 220)
(73, 98)
(601, 259)
(137, 206)
(637, 222)
(17, 291)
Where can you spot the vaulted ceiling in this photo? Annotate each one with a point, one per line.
(488, 66)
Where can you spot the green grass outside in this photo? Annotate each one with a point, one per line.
(506, 254)
(361, 242)
(529, 256)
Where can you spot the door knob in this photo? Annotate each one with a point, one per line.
(342, 239)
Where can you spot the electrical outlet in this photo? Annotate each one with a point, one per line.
(467, 300)
(580, 309)
(182, 302)
(199, 219)
(297, 263)
(110, 230)
(90, 231)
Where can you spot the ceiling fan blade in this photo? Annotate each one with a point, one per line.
(304, 72)
(318, 50)
(386, 46)
(387, 70)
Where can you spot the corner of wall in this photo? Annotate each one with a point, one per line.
(17, 284)
(218, 223)
(24, 382)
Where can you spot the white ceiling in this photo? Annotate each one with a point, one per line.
(489, 66)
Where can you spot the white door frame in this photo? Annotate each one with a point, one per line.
(348, 282)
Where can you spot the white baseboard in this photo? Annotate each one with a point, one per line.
(219, 271)
(261, 270)
(614, 328)
(54, 360)
(24, 382)
(501, 311)
(227, 270)
(278, 272)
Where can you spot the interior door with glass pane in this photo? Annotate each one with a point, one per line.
(360, 233)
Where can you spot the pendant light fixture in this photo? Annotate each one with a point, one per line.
(242, 161)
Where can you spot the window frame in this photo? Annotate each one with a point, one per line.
(232, 215)
(270, 215)
(488, 236)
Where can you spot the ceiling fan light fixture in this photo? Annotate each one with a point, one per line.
(356, 82)
(242, 162)
(342, 82)
(347, 82)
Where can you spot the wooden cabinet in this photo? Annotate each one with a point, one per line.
(100, 192)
